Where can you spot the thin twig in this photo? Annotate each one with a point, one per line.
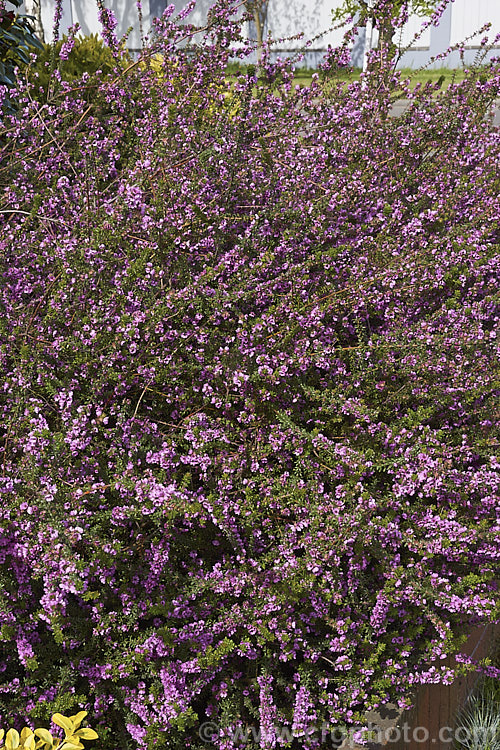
(140, 399)
(27, 213)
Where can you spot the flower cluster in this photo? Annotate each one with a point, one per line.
(249, 352)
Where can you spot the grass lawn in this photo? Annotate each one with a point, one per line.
(450, 75)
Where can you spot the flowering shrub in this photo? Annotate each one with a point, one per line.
(248, 343)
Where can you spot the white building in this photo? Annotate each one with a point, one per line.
(287, 18)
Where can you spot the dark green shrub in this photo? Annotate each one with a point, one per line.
(17, 40)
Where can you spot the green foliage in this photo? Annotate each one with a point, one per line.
(89, 54)
(381, 13)
(352, 7)
(17, 41)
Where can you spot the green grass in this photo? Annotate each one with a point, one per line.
(303, 75)
(449, 75)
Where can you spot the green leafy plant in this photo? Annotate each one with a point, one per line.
(88, 54)
(17, 40)
(378, 10)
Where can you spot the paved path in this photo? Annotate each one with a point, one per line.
(400, 106)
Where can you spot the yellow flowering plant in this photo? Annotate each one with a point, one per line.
(42, 739)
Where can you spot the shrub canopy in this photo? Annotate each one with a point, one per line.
(248, 340)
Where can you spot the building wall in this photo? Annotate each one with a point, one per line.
(468, 17)
(85, 13)
(287, 18)
(461, 19)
